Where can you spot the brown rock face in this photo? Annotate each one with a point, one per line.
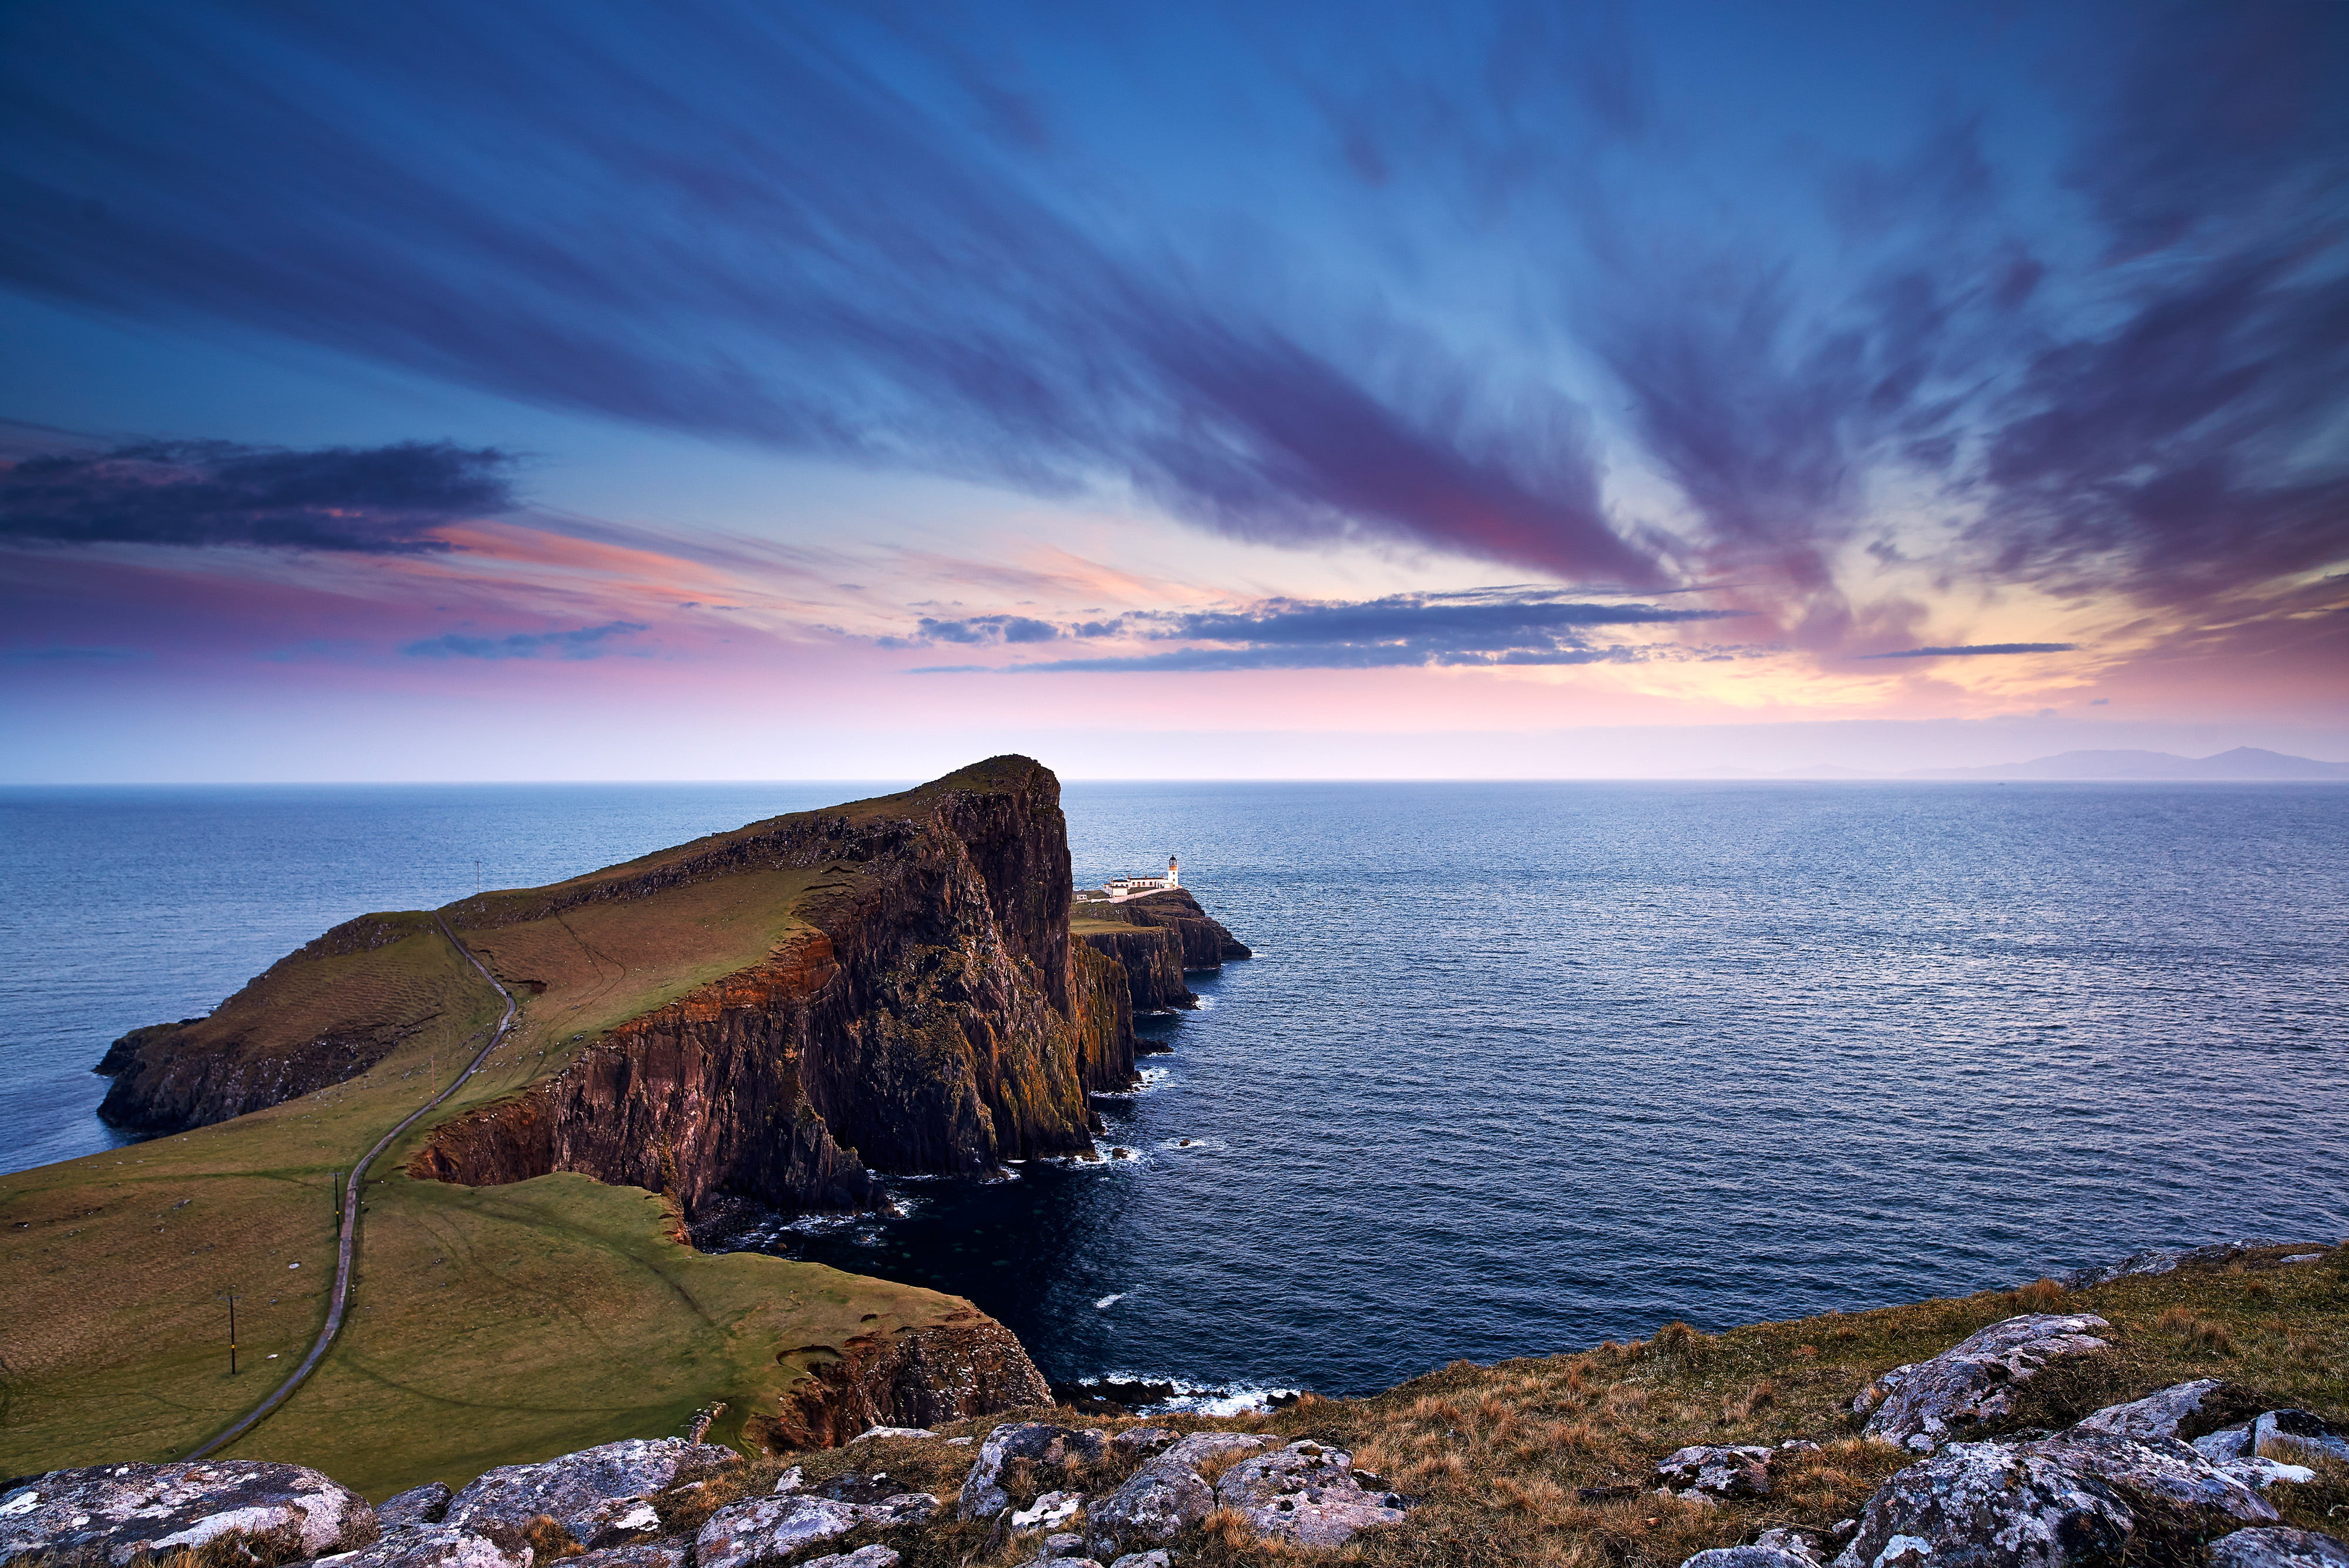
(933, 1018)
(968, 1365)
(1205, 942)
(1151, 959)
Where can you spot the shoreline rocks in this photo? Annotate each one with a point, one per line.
(1924, 1405)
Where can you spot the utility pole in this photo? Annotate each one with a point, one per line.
(231, 1333)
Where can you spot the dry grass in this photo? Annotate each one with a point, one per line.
(1527, 1461)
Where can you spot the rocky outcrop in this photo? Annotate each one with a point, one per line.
(930, 1018)
(602, 1497)
(2280, 1548)
(1922, 1406)
(1308, 1494)
(968, 1365)
(1036, 1442)
(772, 1529)
(1204, 943)
(116, 1512)
(279, 1038)
(1151, 959)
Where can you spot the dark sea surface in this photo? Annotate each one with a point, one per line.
(1518, 1067)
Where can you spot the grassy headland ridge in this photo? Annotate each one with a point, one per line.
(773, 1013)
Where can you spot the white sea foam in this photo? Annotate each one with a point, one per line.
(1105, 1302)
(1194, 1398)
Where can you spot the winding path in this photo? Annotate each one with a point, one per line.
(340, 1300)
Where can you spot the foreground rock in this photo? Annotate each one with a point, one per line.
(2084, 1498)
(417, 1505)
(117, 1512)
(1038, 1442)
(771, 1529)
(1167, 1495)
(442, 1546)
(603, 1496)
(2279, 1548)
(1924, 1405)
(1718, 1470)
(1307, 1493)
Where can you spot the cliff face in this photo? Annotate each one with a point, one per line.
(775, 1012)
(323, 1015)
(1150, 958)
(926, 1018)
(968, 1365)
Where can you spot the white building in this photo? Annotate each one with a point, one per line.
(1134, 886)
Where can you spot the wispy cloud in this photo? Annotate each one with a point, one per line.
(369, 499)
(1477, 626)
(586, 642)
(1969, 649)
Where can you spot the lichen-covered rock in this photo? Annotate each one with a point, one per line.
(1757, 1555)
(1165, 1496)
(1134, 1439)
(441, 1546)
(2279, 1548)
(1154, 1559)
(874, 1556)
(1720, 1470)
(120, 1511)
(2157, 1415)
(2161, 1473)
(1924, 1405)
(2298, 1434)
(870, 1433)
(669, 1554)
(1305, 1493)
(417, 1505)
(1989, 1505)
(771, 1529)
(601, 1495)
(1039, 1442)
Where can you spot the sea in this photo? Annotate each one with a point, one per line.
(1516, 1068)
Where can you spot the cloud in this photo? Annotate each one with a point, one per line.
(1970, 649)
(1480, 287)
(586, 642)
(372, 500)
(1476, 627)
(988, 628)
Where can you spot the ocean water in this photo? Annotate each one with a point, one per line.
(1518, 1067)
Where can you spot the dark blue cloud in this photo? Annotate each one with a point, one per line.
(1432, 277)
(1484, 626)
(986, 628)
(1969, 649)
(586, 642)
(374, 500)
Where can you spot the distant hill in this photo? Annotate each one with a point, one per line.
(2244, 764)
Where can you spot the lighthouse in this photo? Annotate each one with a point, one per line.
(1174, 873)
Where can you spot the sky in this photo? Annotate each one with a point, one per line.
(549, 391)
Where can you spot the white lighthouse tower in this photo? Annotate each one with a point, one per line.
(1174, 873)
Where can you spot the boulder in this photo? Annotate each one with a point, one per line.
(2226, 1443)
(1719, 1470)
(1924, 1405)
(2159, 1475)
(440, 1546)
(1157, 1559)
(2279, 1548)
(770, 1529)
(2156, 1415)
(1757, 1555)
(669, 1554)
(1305, 1493)
(417, 1505)
(118, 1511)
(2297, 1435)
(1165, 1496)
(601, 1495)
(874, 1556)
(1990, 1505)
(871, 1432)
(1041, 1442)
(1136, 1439)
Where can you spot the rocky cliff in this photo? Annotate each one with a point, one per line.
(776, 1012)
(1154, 939)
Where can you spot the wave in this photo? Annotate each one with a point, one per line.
(1150, 1395)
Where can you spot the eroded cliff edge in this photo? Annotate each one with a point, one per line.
(1156, 939)
(776, 1012)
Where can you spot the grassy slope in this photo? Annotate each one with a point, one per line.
(112, 1337)
(1498, 1453)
